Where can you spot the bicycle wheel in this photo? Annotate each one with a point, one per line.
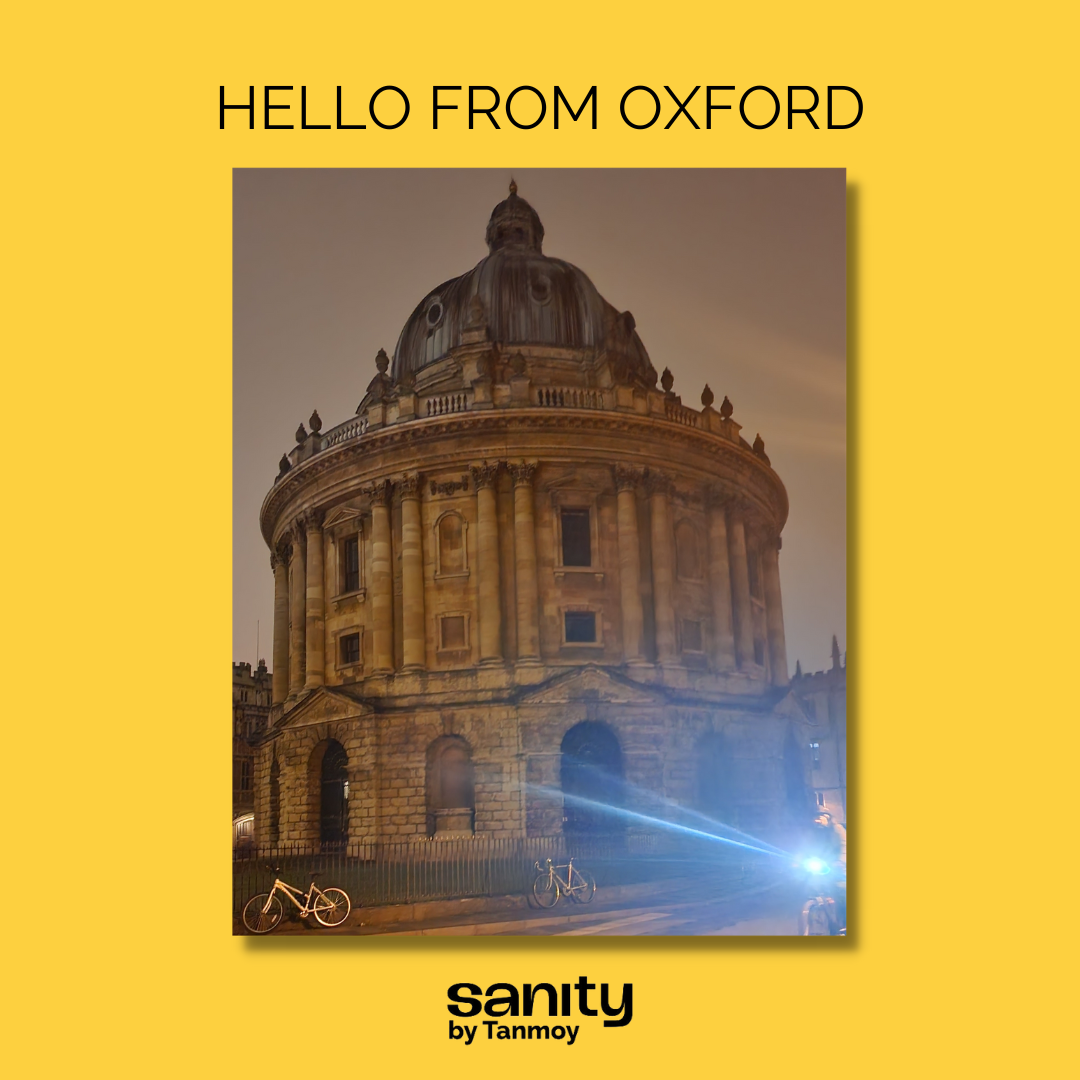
(332, 907)
(584, 886)
(260, 917)
(546, 890)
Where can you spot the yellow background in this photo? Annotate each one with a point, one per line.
(117, 544)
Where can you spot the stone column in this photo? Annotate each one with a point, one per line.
(740, 585)
(382, 581)
(414, 645)
(774, 611)
(633, 615)
(528, 628)
(315, 621)
(297, 612)
(660, 488)
(279, 562)
(487, 529)
(720, 584)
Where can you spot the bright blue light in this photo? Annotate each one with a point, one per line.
(815, 865)
(631, 815)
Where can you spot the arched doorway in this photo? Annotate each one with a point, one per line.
(715, 778)
(592, 780)
(334, 796)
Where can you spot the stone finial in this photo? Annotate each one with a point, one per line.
(382, 361)
(667, 380)
(798, 669)
(835, 654)
(513, 186)
(726, 408)
(315, 421)
(301, 434)
(707, 397)
(284, 465)
(759, 445)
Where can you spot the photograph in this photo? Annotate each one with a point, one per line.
(539, 552)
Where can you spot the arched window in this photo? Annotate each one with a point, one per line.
(451, 798)
(715, 778)
(687, 552)
(333, 786)
(592, 780)
(451, 544)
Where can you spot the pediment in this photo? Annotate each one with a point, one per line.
(324, 705)
(591, 684)
(340, 514)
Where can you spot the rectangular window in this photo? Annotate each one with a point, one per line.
(580, 626)
(453, 631)
(691, 636)
(821, 800)
(351, 563)
(245, 774)
(576, 541)
(350, 649)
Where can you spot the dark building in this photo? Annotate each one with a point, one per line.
(251, 713)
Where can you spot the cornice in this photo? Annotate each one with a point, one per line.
(485, 424)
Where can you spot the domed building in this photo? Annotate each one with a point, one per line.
(523, 583)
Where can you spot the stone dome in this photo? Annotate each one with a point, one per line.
(523, 297)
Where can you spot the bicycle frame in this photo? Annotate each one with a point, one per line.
(554, 869)
(289, 891)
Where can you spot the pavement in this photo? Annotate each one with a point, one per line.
(680, 907)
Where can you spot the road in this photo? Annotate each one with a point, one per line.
(769, 913)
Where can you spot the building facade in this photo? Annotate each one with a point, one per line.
(823, 697)
(251, 715)
(525, 590)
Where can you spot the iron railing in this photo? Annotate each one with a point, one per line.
(435, 869)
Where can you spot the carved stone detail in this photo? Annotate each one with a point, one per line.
(379, 492)
(658, 483)
(410, 486)
(522, 472)
(448, 487)
(626, 477)
(485, 474)
(313, 519)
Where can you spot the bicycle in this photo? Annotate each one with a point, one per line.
(819, 918)
(264, 911)
(549, 885)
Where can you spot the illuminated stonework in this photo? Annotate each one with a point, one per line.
(523, 568)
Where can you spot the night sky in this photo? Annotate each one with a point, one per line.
(734, 277)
